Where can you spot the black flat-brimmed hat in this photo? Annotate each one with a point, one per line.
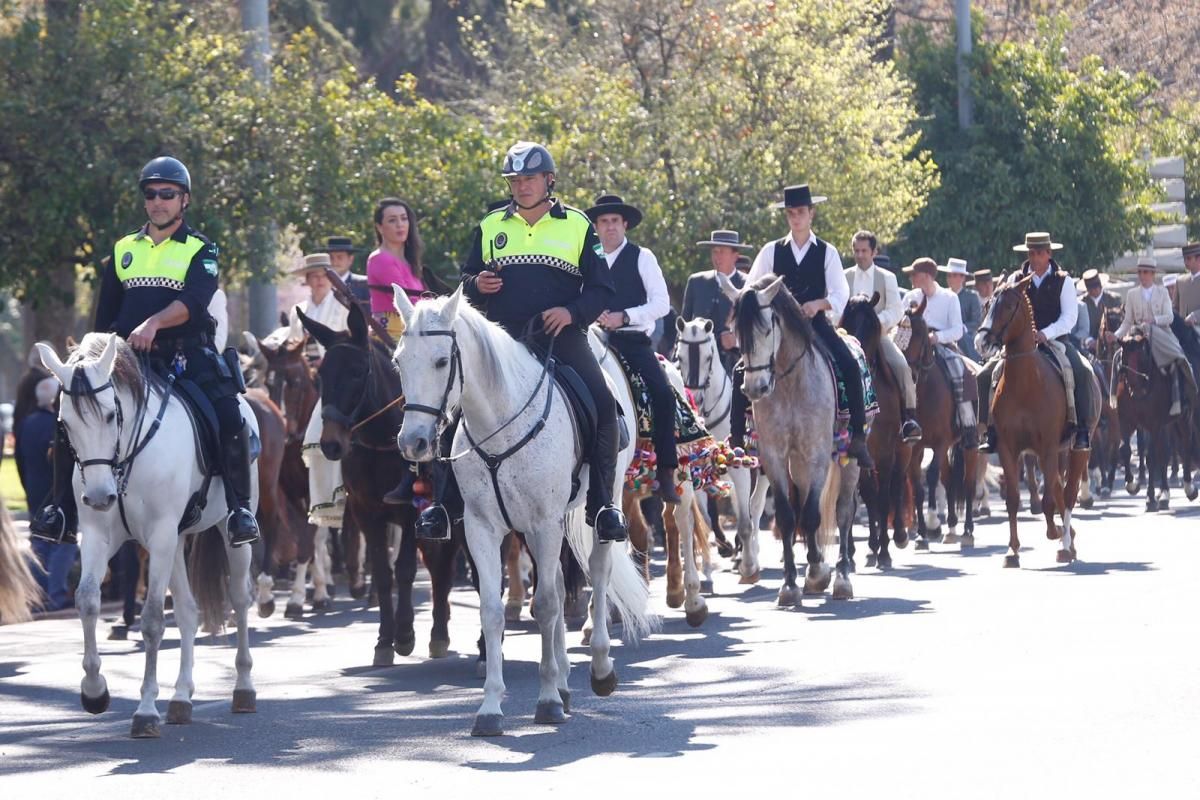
(1037, 239)
(340, 244)
(725, 239)
(797, 196)
(982, 276)
(743, 263)
(882, 260)
(613, 204)
(1191, 249)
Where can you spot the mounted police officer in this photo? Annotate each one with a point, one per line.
(155, 293)
(536, 267)
(641, 299)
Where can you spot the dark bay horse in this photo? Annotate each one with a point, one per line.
(1106, 448)
(883, 491)
(936, 414)
(1039, 426)
(362, 410)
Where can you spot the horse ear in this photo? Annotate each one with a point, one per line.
(450, 310)
(108, 357)
(51, 361)
(708, 326)
(768, 294)
(324, 336)
(403, 305)
(356, 324)
(727, 288)
(875, 299)
(250, 342)
(680, 325)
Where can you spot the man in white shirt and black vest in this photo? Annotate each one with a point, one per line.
(1052, 293)
(812, 271)
(640, 300)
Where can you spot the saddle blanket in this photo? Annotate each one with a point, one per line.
(841, 421)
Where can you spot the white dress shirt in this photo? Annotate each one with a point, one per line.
(1067, 302)
(837, 290)
(658, 302)
(329, 312)
(864, 283)
(943, 314)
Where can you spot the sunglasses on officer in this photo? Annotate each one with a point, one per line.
(165, 194)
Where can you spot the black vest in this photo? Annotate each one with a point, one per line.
(631, 292)
(1047, 298)
(806, 280)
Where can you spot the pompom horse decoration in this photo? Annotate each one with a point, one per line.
(452, 359)
(137, 466)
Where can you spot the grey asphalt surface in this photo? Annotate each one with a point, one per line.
(947, 677)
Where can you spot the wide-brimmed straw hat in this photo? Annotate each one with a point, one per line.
(1147, 262)
(317, 262)
(1037, 239)
(725, 239)
(954, 266)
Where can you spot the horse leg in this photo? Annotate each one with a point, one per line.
(187, 619)
(949, 471)
(1010, 462)
(1054, 500)
(440, 558)
(1144, 448)
(747, 523)
(932, 522)
(1031, 481)
(675, 588)
(548, 611)
(603, 672)
(321, 568)
(694, 607)
(162, 562)
(404, 636)
(639, 540)
(703, 544)
(785, 519)
(918, 489)
(971, 465)
(377, 536)
(560, 641)
(352, 556)
(238, 558)
(295, 603)
(484, 547)
(511, 549)
(842, 588)
(818, 574)
(93, 690)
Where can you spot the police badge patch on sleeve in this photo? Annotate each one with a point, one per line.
(210, 266)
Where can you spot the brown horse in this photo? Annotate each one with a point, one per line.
(1040, 426)
(1106, 448)
(882, 490)
(277, 515)
(936, 414)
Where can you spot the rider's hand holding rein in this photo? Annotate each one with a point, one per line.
(142, 337)
(555, 319)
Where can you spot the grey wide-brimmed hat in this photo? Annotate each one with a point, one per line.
(341, 244)
(1037, 239)
(725, 239)
(317, 262)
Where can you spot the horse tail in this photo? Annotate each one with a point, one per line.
(629, 593)
(828, 533)
(208, 573)
(18, 589)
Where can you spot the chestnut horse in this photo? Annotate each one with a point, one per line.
(936, 414)
(883, 489)
(1041, 426)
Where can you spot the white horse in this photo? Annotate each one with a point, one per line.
(712, 387)
(450, 359)
(137, 468)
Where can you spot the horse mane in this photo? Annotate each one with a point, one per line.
(127, 373)
(867, 327)
(502, 353)
(784, 305)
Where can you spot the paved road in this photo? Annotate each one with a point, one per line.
(950, 676)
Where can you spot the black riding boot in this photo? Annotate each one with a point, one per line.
(402, 493)
(243, 527)
(601, 513)
(434, 522)
(740, 405)
(58, 520)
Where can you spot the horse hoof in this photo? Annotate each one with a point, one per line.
(358, 592)
(245, 701)
(788, 597)
(1152, 505)
(1190, 492)
(1104, 492)
(603, 687)
(145, 726)
(706, 587)
(696, 618)
(1012, 561)
(1065, 557)
(900, 540)
(922, 544)
(1164, 504)
(675, 599)
(480, 668)
(438, 648)
(95, 705)
(488, 725)
(293, 611)
(118, 633)
(512, 613)
(565, 694)
(817, 584)
(179, 713)
(724, 549)
(872, 560)
(322, 606)
(951, 538)
(883, 563)
(267, 609)
(842, 590)
(586, 639)
(383, 657)
(1087, 502)
(549, 713)
(967, 543)
(746, 580)
(405, 647)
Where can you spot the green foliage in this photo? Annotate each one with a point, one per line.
(700, 112)
(1052, 148)
(1178, 134)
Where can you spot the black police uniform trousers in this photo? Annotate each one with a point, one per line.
(203, 366)
(847, 365)
(636, 349)
(1080, 368)
(569, 347)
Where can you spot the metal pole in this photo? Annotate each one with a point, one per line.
(260, 295)
(962, 11)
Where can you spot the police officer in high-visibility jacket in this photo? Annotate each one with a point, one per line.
(155, 293)
(536, 264)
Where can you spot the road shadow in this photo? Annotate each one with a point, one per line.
(1078, 567)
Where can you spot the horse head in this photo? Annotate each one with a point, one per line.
(289, 382)
(697, 354)
(430, 367)
(761, 311)
(861, 321)
(1137, 363)
(96, 377)
(912, 334)
(346, 386)
(1009, 317)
